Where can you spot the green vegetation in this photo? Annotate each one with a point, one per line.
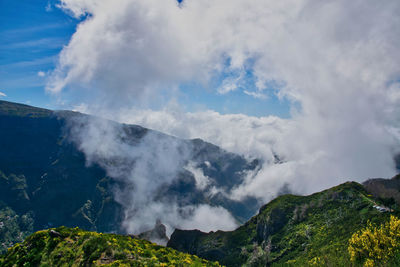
(377, 246)
(13, 228)
(23, 210)
(291, 231)
(74, 247)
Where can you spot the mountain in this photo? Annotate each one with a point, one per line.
(293, 230)
(386, 190)
(46, 181)
(74, 247)
(158, 234)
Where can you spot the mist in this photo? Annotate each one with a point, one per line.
(336, 62)
(146, 162)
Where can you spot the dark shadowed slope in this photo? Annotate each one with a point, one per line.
(44, 178)
(45, 181)
(386, 190)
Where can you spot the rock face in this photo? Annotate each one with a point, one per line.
(157, 235)
(186, 240)
(290, 230)
(272, 224)
(387, 190)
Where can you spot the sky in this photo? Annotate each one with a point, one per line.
(315, 82)
(32, 35)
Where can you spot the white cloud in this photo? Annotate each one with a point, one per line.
(336, 60)
(130, 50)
(207, 218)
(146, 168)
(2, 94)
(256, 94)
(313, 158)
(250, 136)
(202, 181)
(230, 84)
(41, 74)
(202, 217)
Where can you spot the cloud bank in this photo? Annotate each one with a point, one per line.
(336, 61)
(311, 158)
(147, 163)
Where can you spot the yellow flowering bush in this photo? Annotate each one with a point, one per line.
(376, 245)
(315, 261)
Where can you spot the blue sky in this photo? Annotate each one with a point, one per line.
(32, 34)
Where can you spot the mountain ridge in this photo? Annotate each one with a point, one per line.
(292, 230)
(46, 178)
(45, 182)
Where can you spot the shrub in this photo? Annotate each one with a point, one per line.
(373, 245)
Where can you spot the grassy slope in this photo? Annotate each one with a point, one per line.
(75, 247)
(291, 230)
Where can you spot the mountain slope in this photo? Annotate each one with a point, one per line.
(294, 230)
(386, 190)
(45, 178)
(74, 247)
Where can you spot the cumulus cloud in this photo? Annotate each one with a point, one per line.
(336, 61)
(2, 94)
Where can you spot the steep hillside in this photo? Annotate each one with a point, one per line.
(386, 190)
(45, 180)
(294, 230)
(43, 177)
(74, 247)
